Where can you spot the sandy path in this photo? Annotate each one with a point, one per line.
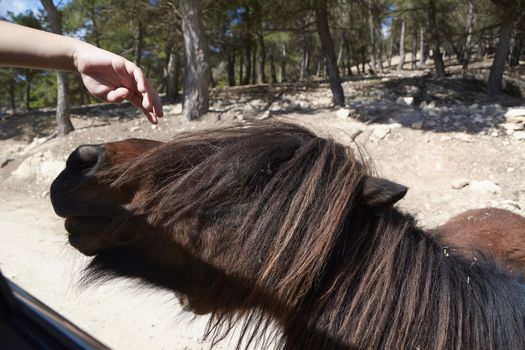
(34, 254)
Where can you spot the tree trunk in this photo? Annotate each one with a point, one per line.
(434, 39)
(468, 41)
(261, 58)
(517, 48)
(12, 94)
(273, 71)
(284, 58)
(379, 44)
(327, 44)
(422, 56)
(230, 66)
(401, 47)
(372, 32)
(390, 48)
(28, 90)
(254, 65)
(137, 43)
(247, 63)
(197, 69)
(64, 125)
(241, 67)
(414, 48)
(494, 84)
(305, 65)
(348, 58)
(340, 54)
(172, 73)
(363, 59)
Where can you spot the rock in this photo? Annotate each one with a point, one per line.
(515, 112)
(459, 184)
(134, 128)
(515, 117)
(342, 113)
(380, 131)
(417, 125)
(42, 168)
(478, 119)
(265, 115)
(431, 123)
(512, 126)
(407, 100)
(494, 134)
(6, 160)
(519, 135)
(473, 107)
(485, 186)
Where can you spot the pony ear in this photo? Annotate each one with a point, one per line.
(381, 193)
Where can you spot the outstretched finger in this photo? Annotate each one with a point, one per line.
(137, 101)
(154, 100)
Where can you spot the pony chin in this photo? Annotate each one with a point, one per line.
(85, 234)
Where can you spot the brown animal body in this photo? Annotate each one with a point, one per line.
(271, 225)
(495, 233)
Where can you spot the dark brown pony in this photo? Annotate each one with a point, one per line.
(272, 227)
(488, 232)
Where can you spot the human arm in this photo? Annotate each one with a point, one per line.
(107, 76)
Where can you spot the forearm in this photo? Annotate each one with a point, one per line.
(30, 48)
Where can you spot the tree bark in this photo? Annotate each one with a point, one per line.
(273, 71)
(372, 33)
(468, 41)
(172, 73)
(12, 93)
(517, 48)
(379, 44)
(348, 58)
(284, 58)
(434, 39)
(241, 67)
(321, 14)
(247, 62)
(422, 56)
(305, 64)
(254, 65)
(137, 43)
(390, 48)
(64, 125)
(402, 46)
(28, 89)
(414, 48)
(197, 68)
(230, 67)
(261, 58)
(494, 84)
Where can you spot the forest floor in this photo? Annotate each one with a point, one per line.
(444, 139)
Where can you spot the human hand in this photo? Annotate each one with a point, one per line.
(112, 78)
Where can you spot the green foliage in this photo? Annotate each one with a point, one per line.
(233, 26)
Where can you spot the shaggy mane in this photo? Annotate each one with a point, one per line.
(270, 217)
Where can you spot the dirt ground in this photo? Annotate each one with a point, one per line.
(448, 144)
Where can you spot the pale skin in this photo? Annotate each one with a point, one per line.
(107, 76)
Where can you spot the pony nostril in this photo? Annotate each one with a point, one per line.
(86, 158)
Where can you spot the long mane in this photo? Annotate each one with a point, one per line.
(278, 208)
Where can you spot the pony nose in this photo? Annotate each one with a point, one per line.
(86, 158)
